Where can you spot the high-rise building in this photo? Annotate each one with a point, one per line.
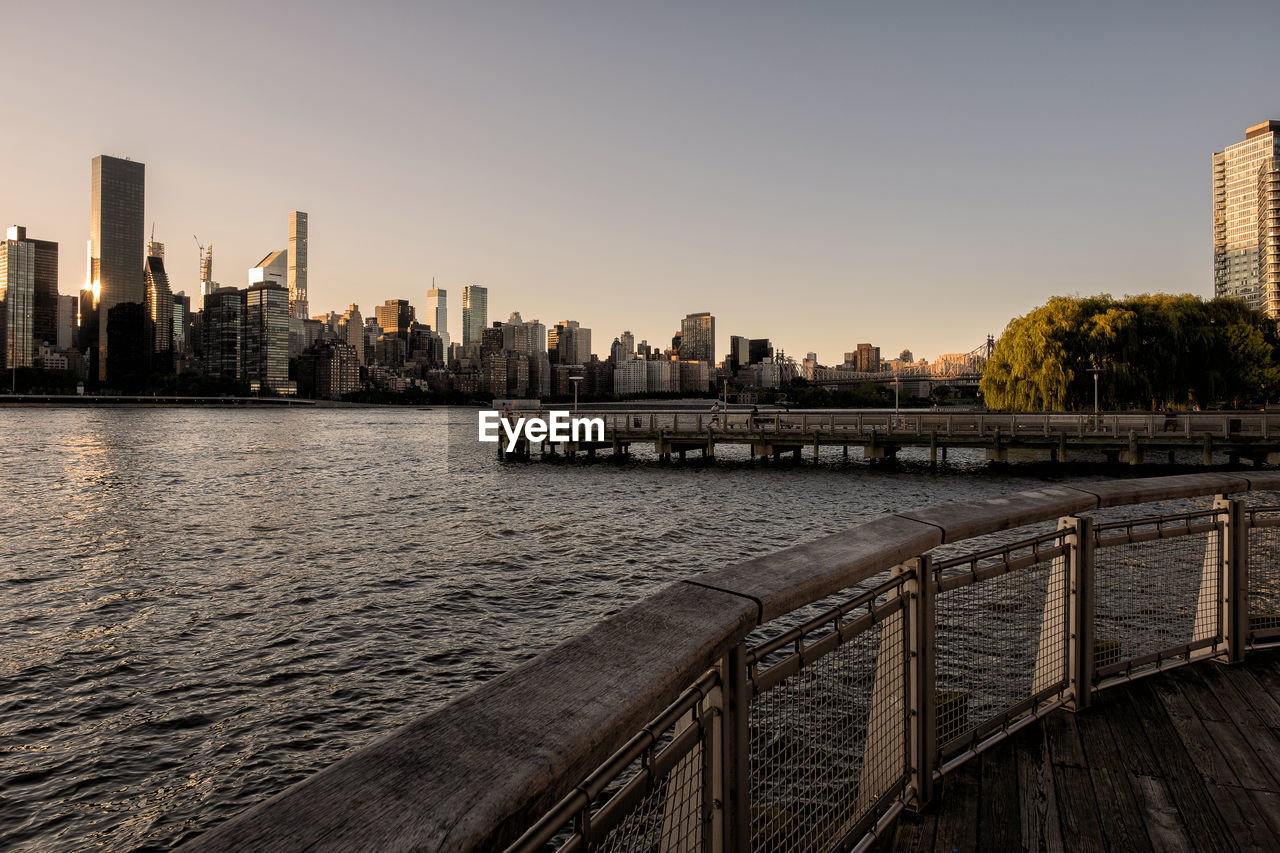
(207, 284)
(221, 331)
(475, 313)
(351, 330)
(44, 316)
(1246, 219)
(328, 370)
(21, 277)
(273, 269)
(739, 352)
(698, 338)
(159, 308)
(569, 343)
(265, 355)
(759, 349)
(395, 316)
(67, 309)
(115, 257)
(298, 265)
(438, 311)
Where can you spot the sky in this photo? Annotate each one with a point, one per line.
(911, 175)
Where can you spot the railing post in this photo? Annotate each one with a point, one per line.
(1080, 578)
(1235, 576)
(734, 751)
(922, 685)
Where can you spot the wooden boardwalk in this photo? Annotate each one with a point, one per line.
(1185, 760)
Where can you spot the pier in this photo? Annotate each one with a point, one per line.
(1123, 437)
(1070, 667)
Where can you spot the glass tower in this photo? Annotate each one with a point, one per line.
(17, 298)
(437, 309)
(1246, 213)
(115, 252)
(298, 265)
(475, 313)
(265, 362)
(698, 338)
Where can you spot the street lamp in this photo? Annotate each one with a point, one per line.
(575, 380)
(1095, 371)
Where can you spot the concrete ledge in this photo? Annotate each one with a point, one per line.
(478, 772)
(974, 518)
(783, 581)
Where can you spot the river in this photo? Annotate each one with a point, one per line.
(201, 606)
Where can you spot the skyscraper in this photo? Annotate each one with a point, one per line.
(17, 298)
(438, 311)
(115, 258)
(159, 308)
(264, 360)
(698, 338)
(395, 316)
(475, 313)
(298, 265)
(273, 269)
(1246, 213)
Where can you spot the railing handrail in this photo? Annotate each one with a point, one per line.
(477, 772)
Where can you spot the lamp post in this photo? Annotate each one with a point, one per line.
(575, 380)
(1095, 371)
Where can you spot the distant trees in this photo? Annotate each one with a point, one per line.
(1152, 351)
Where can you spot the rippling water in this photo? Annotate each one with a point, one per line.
(202, 606)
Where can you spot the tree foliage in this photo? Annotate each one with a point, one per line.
(1152, 351)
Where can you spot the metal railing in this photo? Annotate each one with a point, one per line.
(860, 670)
(1185, 425)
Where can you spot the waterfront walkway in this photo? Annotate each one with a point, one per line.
(1051, 436)
(1185, 760)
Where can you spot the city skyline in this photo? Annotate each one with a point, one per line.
(973, 161)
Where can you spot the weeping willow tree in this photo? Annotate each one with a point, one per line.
(1150, 351)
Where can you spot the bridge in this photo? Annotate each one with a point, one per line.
(964, 370)
(924, 677)
(1052, 436)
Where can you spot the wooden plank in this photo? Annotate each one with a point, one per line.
(1163, 823)
(1244, 682)
(1118, 808)
(1252, 749)
(1249, 829)
(1077, 800)
(1205, 825)
(1038, 818)
(1268, 805)
(913, 831)
(999, 807)
(1134, 758)
(957, 830)
(1211, 765)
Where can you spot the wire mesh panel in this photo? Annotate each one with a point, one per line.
(1158, 588)
(1264, 575)
(828, 727)
(669, 817)
(1002, 635)
(654, 795)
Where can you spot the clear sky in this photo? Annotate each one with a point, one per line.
(911, 175)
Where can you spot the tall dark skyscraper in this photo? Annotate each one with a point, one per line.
(116, 241)
(698, 338)
(29, 295)
(298, 265)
